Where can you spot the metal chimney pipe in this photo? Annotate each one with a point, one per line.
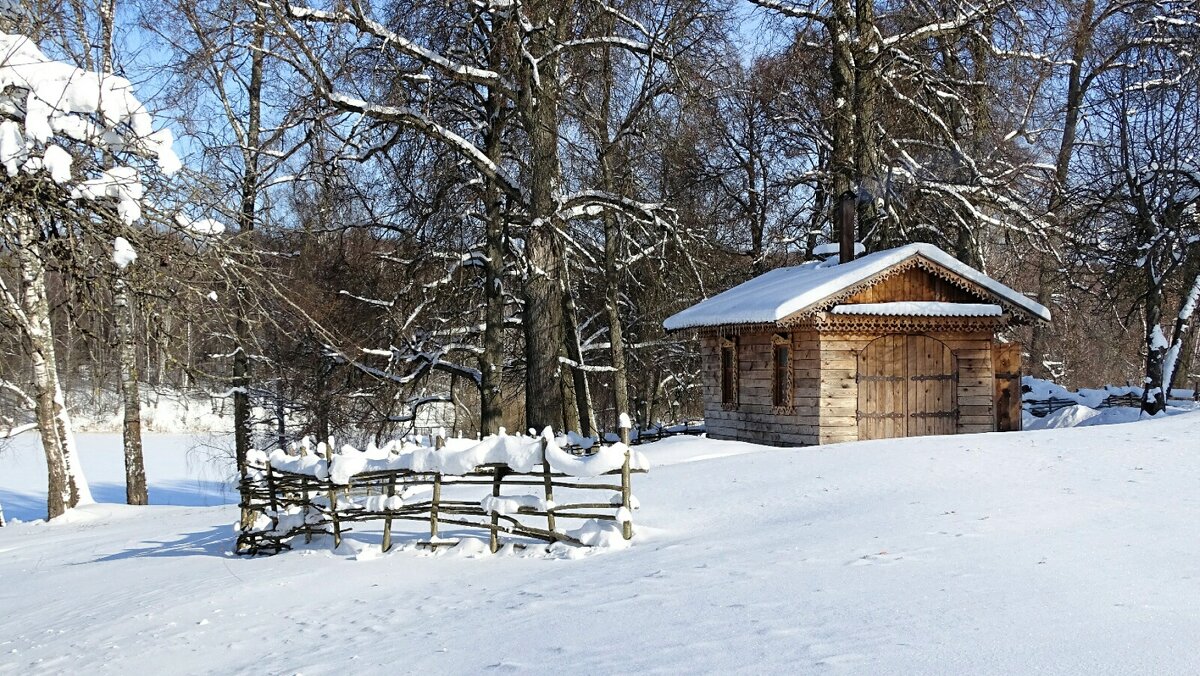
(846, 226)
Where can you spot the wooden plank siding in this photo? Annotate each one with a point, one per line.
(824, 393)
(755, 417)
(915, 284)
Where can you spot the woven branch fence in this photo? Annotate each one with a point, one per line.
(303, 494)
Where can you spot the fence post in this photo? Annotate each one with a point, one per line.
(494, 543)
(439, 443)
(271, 489)
(546, 481)
(433, 505)
(387, 520)
(626, 492)
(333, 515)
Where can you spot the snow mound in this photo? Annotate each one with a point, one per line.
(1071, 416)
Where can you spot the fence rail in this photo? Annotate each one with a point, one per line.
(1044, 407)
(297, 494)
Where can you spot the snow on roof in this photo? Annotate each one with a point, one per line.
(915, 308)
(834, 248)
(779, 293)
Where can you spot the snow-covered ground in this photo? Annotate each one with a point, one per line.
(1057, 551)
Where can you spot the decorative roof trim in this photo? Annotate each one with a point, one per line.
(875, 324)
(916, 261)
(919, 308)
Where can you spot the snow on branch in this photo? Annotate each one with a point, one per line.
(592, 203)
(414, 119)
(22, 396)
(937, 28)
(369, 301)
(790, 10)
(608, 40)
(14, 431)
(589, 368)
(389, 38)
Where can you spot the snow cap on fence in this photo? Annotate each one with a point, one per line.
(519, 454)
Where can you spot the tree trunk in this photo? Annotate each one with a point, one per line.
(1181, 376)
(582, 390)
(612, 239)
(1081, 44)
(1154, 399)
(246, 217)
(841, 126)
(1183, 341)
(127, 365)
(66, 485)
(543, 314)
(491, 402)
(868, 174)
(135, 468)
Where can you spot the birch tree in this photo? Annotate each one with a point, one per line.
(61, 122)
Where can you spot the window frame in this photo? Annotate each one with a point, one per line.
(781, 374)
(728, 373)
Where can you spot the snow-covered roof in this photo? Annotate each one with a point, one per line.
(920, 308)
(782, 292)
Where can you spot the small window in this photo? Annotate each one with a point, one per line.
(781, 382)
(728, 375)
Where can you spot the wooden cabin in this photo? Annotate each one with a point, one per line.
(897, 343)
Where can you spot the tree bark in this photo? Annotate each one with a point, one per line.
(1081, 43)
(246, 224)
(66, 485)
(1180, 379)
(586, 410)
(491, 406)
(841, 124)
(1154, 399)
(543, 313)
(131, 428)
(127, 365)
(870, 182)
(612, 240)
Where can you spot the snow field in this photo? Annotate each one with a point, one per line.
(1057, 551)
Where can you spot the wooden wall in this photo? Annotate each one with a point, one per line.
(914, 284)
(839, 390)
(824, 389)
(755, 418)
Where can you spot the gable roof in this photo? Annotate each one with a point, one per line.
(782, 292)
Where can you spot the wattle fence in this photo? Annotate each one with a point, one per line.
(309, 491)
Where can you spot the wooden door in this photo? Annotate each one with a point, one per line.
(1007, 359)
(882, 389)
(932, 387)
(906, 387)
